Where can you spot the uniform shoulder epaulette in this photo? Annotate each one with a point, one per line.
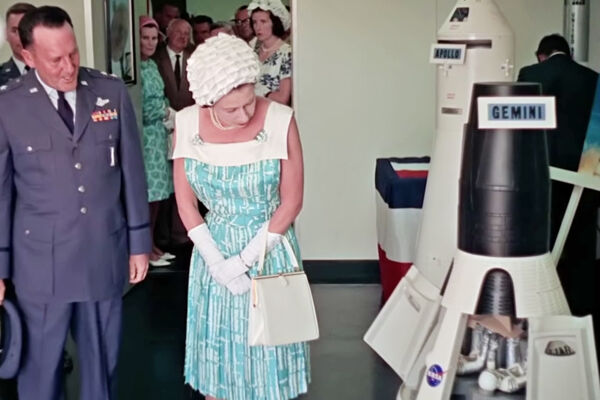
(94, 73)
(11, 85)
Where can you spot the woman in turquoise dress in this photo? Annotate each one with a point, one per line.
(241, 156)
(155, 109)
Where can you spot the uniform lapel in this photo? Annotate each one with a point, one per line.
(86, 103)
(184, 80)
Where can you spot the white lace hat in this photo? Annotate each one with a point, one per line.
(219, 65)
(276, 7)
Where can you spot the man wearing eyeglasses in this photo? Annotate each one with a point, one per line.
(243, 26)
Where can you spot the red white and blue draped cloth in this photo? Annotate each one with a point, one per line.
(400, 184)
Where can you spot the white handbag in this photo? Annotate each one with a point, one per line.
(281, 306)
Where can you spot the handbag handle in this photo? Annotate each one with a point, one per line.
(286, 244)
(261, 260)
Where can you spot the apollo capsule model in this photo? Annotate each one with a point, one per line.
(475, 44)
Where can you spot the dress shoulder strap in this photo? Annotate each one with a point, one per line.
(269, 143)
(186, 129)
(277, 122)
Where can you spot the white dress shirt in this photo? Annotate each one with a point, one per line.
(20, 65)
(71, 96)
(172, 57)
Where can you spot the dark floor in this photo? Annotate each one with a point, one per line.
(152, 350)
(343, 366)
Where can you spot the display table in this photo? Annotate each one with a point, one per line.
(400, 184)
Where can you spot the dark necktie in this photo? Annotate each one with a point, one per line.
(65, 111)
(27, 68)
(177, 71)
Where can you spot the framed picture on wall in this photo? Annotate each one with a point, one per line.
(120, 39)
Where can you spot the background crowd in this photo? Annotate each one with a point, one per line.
(167, 42)
(80, 169)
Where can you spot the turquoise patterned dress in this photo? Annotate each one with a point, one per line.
(154, 133)
(241, 198)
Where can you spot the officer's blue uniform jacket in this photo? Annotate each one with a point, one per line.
(8, 71)
(73, 207)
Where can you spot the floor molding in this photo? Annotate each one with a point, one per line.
(342, 271)
(318, 271)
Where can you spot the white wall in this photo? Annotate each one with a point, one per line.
(363, 89)
(218, 10)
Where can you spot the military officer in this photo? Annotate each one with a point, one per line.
(15, 66)
(74, 222)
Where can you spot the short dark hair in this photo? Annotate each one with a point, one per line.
(48, 16)
(552, 43)
(241, 8)
(19, 8)
(201, 19)
(275, 20)
(161, 7)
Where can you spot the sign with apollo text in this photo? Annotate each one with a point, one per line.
(447, 53)
(517, 112)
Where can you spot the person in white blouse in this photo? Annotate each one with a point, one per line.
(270, 21)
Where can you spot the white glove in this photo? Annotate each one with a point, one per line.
(169, 121)
(240, 285)
(205, 244)
(251, 253)
(225, 271)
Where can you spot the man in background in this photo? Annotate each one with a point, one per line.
(574, 87)
(15, 66)
(172, 66)
(164, 14)
(243, 24)
(201, 26)
(172, 63)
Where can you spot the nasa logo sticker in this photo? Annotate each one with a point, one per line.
(435, 374)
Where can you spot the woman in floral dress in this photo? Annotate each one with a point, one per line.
(154, 134)
(240, 154)
(270, 21)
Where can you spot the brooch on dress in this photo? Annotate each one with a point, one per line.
(197, 140)
(261, 136)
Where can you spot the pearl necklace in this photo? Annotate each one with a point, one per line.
(272, 47)
(215, 120)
